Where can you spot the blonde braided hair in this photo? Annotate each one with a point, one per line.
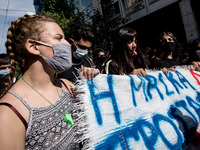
(26, 27)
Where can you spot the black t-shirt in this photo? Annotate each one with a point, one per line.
(167, 63)
(101, 68)
(112, 69)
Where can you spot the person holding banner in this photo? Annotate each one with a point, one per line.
(126, 57)
(169, 49)
(81, 41)
(37, 111)
(194, 55)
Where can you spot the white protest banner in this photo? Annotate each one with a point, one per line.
(130, 112)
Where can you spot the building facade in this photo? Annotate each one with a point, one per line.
(9, 11)
(151, 17)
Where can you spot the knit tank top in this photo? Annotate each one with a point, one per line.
(47, 128)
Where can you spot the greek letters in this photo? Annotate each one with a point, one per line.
(180, 112)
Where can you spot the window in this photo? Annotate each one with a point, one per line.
(152, 1)
(116, 8)
(132, 6)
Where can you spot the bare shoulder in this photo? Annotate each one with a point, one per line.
(7, 116)
(17, 104)
(11, 128)
(67, 82)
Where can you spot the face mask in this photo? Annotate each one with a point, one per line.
(61, 59)
(4, 73)
(198, 53)
(170, 46)
(102, 59)
(80, 53)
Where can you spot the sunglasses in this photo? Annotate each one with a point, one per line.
(6, 67)
(78, 45)
(101, 56)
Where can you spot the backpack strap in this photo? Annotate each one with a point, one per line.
(17, 113)
(107, 66)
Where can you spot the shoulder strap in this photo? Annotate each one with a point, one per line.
(17, 113)
(21, 99)
(107, 66)
(90, 61)
(66, 87)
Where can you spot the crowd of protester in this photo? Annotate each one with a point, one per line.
(170, 53)
(51, 65)
(166, 55)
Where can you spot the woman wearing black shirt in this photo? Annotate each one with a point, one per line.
(126, 58)
(169, 50)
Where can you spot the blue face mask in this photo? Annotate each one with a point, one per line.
(80, 53)
(4, 73)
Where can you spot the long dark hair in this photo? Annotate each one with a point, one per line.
(120, 52)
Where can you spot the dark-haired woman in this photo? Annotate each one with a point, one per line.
(126, 57)
(170, 53)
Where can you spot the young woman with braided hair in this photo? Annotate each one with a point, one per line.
(37, 111)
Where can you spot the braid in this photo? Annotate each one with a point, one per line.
(28, 26)
(12, 61)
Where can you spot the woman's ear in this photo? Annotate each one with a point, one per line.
(32, 47)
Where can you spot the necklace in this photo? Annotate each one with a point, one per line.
(68, 117)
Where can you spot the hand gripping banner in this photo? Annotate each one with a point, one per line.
(128, 112)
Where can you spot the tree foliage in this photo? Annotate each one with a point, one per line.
(104, 23)
(65, 13)
(68, 16)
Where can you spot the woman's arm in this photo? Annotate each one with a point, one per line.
(12, 130)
